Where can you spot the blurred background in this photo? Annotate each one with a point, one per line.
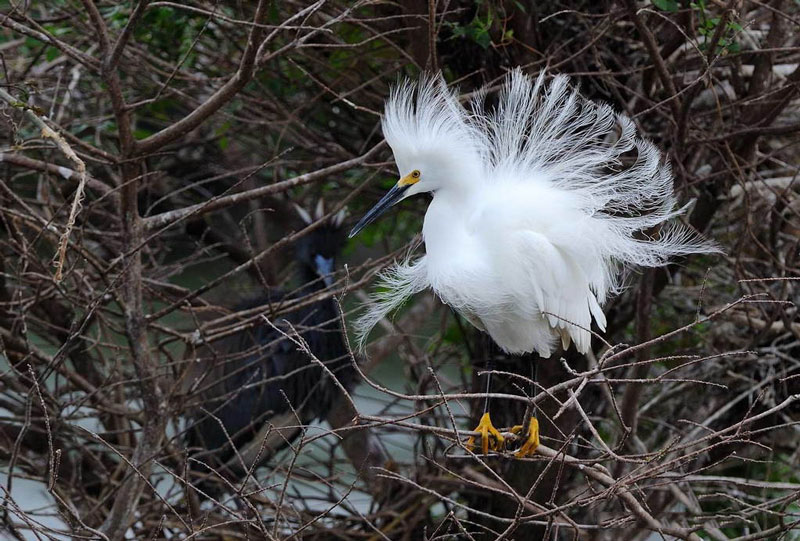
(174, 353)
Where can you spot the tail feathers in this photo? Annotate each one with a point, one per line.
(565, 339)
(597, 312)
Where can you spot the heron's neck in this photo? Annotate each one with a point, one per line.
(310, 280)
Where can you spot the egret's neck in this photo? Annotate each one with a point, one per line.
(460, 183)
(460, 193)
(446, 222)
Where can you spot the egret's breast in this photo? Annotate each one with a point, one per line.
(459, 265)
(475, 267)
(448, 240)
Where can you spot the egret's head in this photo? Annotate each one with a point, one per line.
(435, 145)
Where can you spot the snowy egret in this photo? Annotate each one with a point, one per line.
(533, 213)
(265, 388)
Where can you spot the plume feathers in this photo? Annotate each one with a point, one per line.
(584, 188)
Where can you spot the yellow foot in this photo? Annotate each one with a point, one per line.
(486, 428)
(529, 447)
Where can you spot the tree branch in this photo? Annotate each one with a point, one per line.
(219, 98)
(652, 48)
(167, 218)
(112, 60)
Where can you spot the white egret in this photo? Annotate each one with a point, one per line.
(533, 212)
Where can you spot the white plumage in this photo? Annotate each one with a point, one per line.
(533, 212)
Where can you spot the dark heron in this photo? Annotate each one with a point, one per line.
(258, 388)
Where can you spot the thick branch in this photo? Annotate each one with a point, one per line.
(60, 170)
(167, 218)
(44, 37)
(633, 391)
(99, 25)
(219, 98)
(112, 59)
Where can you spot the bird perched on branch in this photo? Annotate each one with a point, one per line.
(534, 212)
(257, 388)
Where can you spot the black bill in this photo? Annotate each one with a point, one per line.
(393, 196)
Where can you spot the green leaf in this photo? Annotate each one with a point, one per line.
(32, 43)
(459, 31)
(483, 39)
(141, 133)
(666, 5)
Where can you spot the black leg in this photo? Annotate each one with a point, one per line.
(488, 389)
(534, 388)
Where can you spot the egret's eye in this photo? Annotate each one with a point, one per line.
(411, 178)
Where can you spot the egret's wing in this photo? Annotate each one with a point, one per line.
(549, 133)
(557, 286)
(474, 320)
(576, 188)
(546, 267)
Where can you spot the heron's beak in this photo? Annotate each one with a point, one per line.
(392, 196)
